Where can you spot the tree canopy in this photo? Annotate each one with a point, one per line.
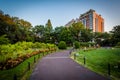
(115, 34)
(14, 29)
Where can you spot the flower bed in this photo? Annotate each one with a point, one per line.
(13, 54)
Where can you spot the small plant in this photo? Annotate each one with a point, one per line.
(62, 45)
(76, 44)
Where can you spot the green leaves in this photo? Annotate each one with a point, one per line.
(48, 25)
(76, 44)
(4, 40)
(15, 29)
(116, 34)
(62, 45)
(13, 51)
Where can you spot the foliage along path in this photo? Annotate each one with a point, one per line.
(58, 66)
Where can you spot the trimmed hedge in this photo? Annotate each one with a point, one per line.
(62, 45)
(87, 44)
(76, 44)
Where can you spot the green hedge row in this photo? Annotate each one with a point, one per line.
(87, 44)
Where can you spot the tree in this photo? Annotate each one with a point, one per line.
(57, 32)
(6, 23)
(65, 35)
(103, 39)
(14, 28)
(80, 33)
(115, 35)
(86, 35)
(39, 32)
(48, 32)
(76, 29)
(48, 25)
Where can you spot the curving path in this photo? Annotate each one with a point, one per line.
(58, 66)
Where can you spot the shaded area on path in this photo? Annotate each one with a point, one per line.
(59, 66)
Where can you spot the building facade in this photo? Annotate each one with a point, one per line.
(93, 21)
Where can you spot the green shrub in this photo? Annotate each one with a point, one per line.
(62, 45)
(16, 53)
(4, 40)
(118, 45)
(87, 44)
(77, 44)
(37, 45)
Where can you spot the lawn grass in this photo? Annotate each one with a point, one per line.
(98, 59)
(19, 70)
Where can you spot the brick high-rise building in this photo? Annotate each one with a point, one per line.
(93, 21)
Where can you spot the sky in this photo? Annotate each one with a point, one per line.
(60, 12)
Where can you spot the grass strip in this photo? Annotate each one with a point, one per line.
(97, 61)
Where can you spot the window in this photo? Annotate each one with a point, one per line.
(90, 21)
(96, 24)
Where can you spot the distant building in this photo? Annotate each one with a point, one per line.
(70, 23)
(91, 20)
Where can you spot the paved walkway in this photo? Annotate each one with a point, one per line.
(59, 66)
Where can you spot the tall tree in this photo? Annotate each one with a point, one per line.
(39, 32)
(86, 35)
(57, 32)
(49, 25)
(48, 32)
(65, 35)
(76, 29)
(15, 29)
(116, 34)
